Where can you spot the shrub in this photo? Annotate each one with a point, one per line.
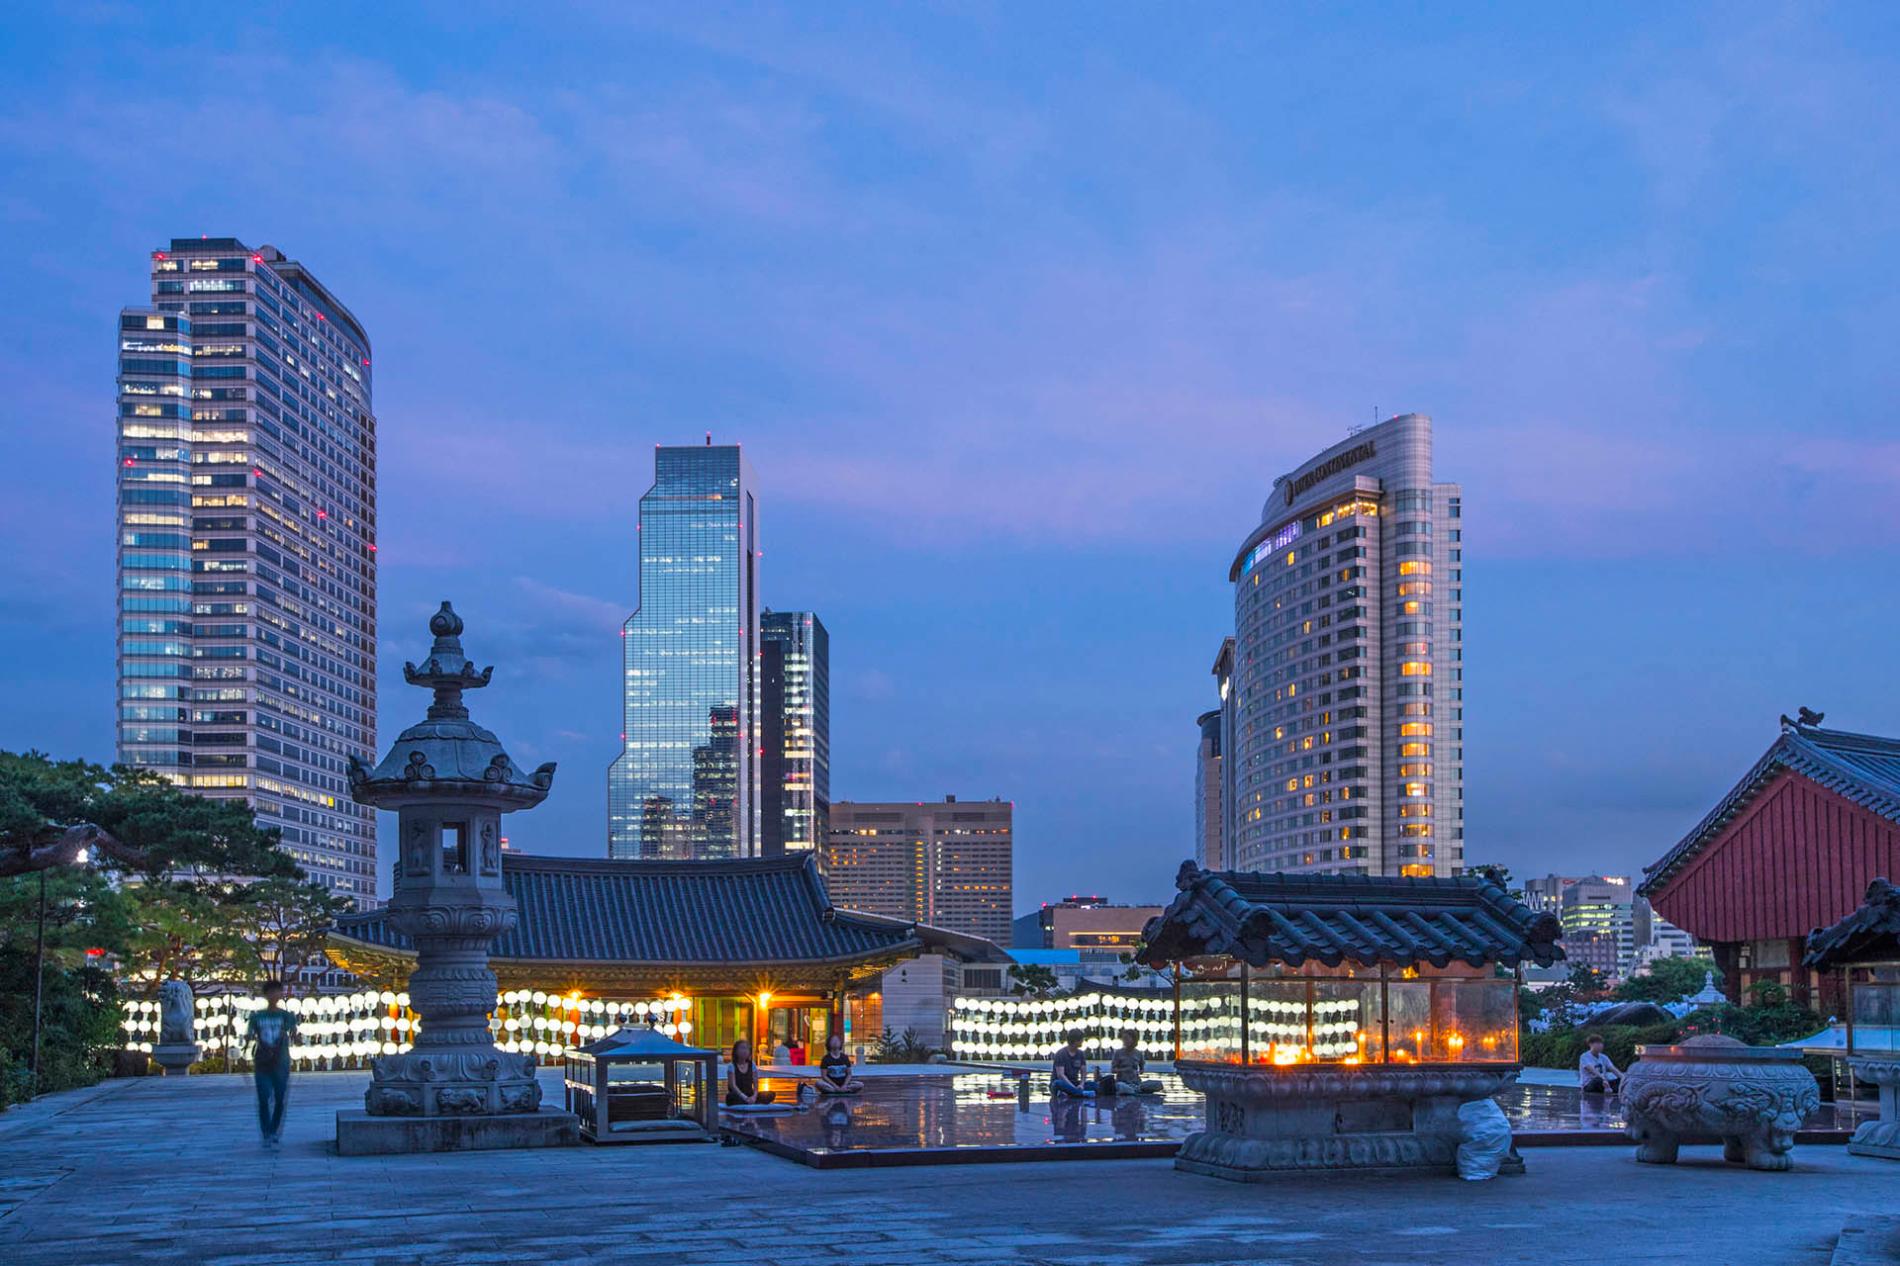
(901, 1048)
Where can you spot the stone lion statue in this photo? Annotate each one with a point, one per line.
(174, 1012)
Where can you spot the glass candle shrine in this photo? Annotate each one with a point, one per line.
(1233, 1013)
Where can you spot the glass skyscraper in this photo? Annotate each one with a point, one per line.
(246, 513)
(795, 747)
(686, 781)
(1348, 667)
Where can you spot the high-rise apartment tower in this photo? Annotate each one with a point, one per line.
(246, 512)
(795, 731)
(1348, 667)
(686, 781)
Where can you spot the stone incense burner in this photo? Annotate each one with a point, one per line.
(1753, 1098)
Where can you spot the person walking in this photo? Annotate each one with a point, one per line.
(269, 1034)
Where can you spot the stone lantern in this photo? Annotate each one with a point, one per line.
(449, 781)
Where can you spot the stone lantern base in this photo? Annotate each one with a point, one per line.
(1882, 1137)
(360, 1134)
(174, 1059)
(431, 1100)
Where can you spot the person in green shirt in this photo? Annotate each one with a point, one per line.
(269, 1033)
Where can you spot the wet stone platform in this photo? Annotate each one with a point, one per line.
(997, 1116)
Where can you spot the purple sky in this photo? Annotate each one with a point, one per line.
(1018, 311)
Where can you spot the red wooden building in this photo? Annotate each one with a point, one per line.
(1790, 848)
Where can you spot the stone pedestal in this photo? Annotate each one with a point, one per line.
(1753, 1098)
(1264, 1120)
(1882, 1137)
(174, 1059)
(360, 1134)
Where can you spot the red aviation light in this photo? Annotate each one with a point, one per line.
(257, 472)
(131, 461)
(323, 514)
(160, 255)
(257, 259)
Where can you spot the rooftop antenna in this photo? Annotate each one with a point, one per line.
(709, 439)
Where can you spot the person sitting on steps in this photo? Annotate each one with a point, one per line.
(1596, 1074)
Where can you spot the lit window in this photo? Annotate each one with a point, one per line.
(1415, 668)
(1415, 567)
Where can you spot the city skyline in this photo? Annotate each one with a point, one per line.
(1015, 389)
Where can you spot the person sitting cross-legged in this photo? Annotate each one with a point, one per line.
(742, 1079)
(1068, 1072)
(834, 1070)
(1127, 1065)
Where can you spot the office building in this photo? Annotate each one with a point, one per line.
(246, 515)
(686, 782)
(1348, 754)
(947, 864)
(1602, 907)
(1101, 931)
(1546, 895)
(1207, 788)
(795, 724)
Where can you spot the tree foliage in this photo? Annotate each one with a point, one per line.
(176, 885)
(1032, 980)
(1668, 980)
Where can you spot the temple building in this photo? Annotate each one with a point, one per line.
(752, 948)
(1790, 848)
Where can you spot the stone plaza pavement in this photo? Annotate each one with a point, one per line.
(152, 1171)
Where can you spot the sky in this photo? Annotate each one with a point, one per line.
(1018, 311)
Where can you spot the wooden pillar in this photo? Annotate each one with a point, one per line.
(1177, 1013)
(1246, 1027)
(1385, 1015)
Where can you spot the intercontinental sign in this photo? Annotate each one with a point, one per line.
(1328, 468)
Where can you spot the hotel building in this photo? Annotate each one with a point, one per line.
(686, 782)
(947, 864)
(1347, 675)
(246, 514)
(795, 723)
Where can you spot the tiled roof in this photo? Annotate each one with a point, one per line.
(1869, 934)
(1862, 767)
(593, 910)
(1274, 918)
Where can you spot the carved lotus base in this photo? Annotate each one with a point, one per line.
(1882, 1137)
(470, 1082)
(1752, 1098)
(1263, 1121)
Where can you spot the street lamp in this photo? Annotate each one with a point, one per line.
(39, 965)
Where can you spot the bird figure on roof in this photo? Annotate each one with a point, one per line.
(1805, 718)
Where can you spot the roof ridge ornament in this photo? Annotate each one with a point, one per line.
(1804, 719)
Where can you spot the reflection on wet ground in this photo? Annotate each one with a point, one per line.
(898, 1119)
